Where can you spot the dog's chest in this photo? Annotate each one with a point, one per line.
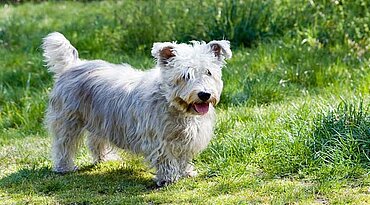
(190, 137)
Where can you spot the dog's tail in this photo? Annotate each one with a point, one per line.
(59, 54)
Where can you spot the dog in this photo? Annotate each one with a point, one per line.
(166, 113)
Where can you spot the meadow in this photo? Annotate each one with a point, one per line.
(293, 124)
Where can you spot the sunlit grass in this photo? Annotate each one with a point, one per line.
(293, 124)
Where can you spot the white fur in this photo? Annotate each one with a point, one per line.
(59, 54)
(154, 113)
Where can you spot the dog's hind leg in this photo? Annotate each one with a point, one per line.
(67, 137)
(101, 149)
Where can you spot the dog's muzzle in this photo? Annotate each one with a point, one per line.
(202, 107)
(204, 96)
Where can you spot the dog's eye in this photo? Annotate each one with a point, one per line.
(209, 73)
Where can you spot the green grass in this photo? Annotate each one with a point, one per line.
(293, 124)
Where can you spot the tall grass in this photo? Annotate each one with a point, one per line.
(341, 138)
(132, 26)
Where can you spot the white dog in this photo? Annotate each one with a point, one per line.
(166, 113)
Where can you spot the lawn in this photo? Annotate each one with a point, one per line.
(293, 124)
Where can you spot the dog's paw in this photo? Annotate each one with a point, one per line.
(190, 171)
(163, 183)
(112, 156)
(108, 157)
(65, 170)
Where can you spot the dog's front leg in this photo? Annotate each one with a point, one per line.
(168, 171)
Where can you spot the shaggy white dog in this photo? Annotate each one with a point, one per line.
(166, 113)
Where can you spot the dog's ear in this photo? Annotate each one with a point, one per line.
(163, 51)
(221, 48)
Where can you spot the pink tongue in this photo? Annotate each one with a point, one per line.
(201, 108)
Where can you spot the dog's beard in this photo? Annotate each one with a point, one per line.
(196, 107)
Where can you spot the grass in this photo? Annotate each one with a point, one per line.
(293, 124)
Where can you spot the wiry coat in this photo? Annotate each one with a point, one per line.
(156, 113)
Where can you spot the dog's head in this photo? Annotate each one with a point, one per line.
(191, 73)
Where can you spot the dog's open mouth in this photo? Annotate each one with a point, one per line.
(201, 108)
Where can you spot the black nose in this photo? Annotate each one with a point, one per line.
(204, 96)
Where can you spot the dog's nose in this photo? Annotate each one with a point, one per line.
(204, 96)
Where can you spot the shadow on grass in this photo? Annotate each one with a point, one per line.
(82, 187)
